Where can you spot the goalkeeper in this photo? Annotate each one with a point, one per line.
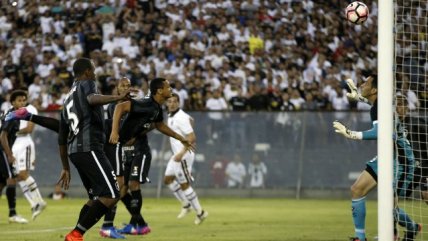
(368, 178)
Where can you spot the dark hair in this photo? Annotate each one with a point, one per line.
(80, 66)
(156, 84)
(176, 96)
(16, 93)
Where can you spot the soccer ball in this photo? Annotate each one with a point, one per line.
(357, 12)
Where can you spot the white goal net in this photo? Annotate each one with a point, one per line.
(411, 88)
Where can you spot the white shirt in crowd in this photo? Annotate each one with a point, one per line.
(257, 173)
(216, 104)
(236, 173)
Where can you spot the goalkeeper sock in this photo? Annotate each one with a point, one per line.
(404, 220)
(359, 217)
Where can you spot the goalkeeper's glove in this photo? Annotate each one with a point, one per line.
(354, 95)
(341, 129)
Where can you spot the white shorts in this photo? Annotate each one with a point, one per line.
(25, 156)
(182, 171)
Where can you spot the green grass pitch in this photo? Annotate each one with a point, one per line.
(233, 219)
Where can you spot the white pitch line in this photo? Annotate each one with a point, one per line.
(37, 230)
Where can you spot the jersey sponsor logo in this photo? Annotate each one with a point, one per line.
(134, 171)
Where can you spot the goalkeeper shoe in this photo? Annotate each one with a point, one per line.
(110, 232)
(19, 114)
(410, 235)
(74, 236)
(17, 219)
(184, 211)
(201, 217)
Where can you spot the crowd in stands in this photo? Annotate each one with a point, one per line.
(278, 55)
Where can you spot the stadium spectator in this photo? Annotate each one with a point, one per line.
(257, 171)
(218, 167)
(58, 193)
(231, 42)
(235, 173)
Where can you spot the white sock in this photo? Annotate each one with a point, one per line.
(34, 190)
(27, 193)
(193, 199)
(178, 193)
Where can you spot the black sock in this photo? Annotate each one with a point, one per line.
(11, 199)
(83, 212)
(127, 202)
(136, 204)
(94, 213)
(109, 217)
(47, 122)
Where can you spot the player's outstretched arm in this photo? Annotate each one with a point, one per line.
(167, 131)
(119, 111)
(370, 134)
(354, 95)
(343, 130)
(97, 99)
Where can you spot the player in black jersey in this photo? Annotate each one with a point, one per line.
(113, 153)
(18, 98)
(81, 139)
(141, 115)
(136, 149)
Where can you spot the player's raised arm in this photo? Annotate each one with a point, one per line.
(119, 111)
(167, 131)
(354, 94)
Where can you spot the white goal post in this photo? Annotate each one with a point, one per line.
(385, 119)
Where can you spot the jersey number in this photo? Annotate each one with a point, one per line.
(72, 117)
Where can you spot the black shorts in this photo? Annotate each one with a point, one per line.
(114, 155)
(137, 164)
(6, 170)
(96, 173)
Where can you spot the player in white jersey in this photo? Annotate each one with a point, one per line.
(25, 155)
(178, 171)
